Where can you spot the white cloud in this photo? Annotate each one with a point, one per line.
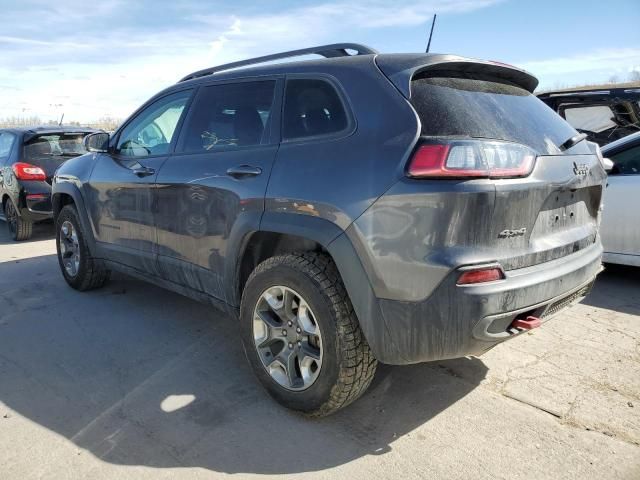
(603, 59)
(596, 66)
(92, 64)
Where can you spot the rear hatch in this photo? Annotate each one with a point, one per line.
(546, 211)
(49, 151)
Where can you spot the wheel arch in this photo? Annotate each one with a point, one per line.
(287, 233)
(278, 233)
(67, 194)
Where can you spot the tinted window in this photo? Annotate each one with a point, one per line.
(229, 115)
(53, 149)
(626, 162)
(6, 142)
(151, 132)
(312, 107)
(485, 108)
(54, 145)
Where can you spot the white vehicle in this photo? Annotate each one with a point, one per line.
(620, 228)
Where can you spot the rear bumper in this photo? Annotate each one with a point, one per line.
(35, 201)
(456, 321)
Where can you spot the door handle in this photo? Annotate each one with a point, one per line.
(243, 171)
(143, 171)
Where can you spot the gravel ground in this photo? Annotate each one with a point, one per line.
(132, 381)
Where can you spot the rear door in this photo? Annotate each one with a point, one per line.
(120, 188)
(213, 187)
(620, 228)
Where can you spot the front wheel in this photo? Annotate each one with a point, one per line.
(80, 270)
(301, 335)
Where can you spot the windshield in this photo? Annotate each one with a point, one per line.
(485, 108)
(56, 144)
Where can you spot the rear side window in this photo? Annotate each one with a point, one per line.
(486, 108)
(230, 115)
(6, 143)
(312, 107)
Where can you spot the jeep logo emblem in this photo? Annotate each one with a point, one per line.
(512, 233)
(580, 170)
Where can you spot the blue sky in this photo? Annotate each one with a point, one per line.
(90, 60)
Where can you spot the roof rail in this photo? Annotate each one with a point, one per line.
(327, 51)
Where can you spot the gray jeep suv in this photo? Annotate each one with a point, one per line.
(357, 208)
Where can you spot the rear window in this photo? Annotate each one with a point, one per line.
(592, 119)
(485, 108)
(54, 145)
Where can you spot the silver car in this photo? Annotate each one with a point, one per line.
(620, 228)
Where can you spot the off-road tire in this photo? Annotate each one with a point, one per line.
(19, 228)
(92, 273)
(348, 364)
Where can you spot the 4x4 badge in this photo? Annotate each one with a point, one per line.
(512, 233)
(580, 169)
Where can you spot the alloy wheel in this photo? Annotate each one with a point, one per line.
(69, 248)
(287, 338)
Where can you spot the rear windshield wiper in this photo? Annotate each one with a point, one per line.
(64, 154)
(572, 141)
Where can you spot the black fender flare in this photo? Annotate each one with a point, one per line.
(333, 239)
(68, 188)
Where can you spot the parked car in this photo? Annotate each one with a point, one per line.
(604, 113)
(620, 228)
(358, 208)
(28, 158)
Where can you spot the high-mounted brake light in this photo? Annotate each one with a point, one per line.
(26, 171)
(481, 276)
(472, 158)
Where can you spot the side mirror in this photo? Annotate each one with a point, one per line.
(608, 164)
(97, 142)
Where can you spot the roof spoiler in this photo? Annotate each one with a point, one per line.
(401, 69)
(327, 51)
(38, 132)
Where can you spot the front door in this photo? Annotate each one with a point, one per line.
(121, 184)
(215, 182)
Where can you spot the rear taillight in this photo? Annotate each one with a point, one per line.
(472, 158)
(481, 275)
(26, 171)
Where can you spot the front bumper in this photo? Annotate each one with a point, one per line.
(457, 321)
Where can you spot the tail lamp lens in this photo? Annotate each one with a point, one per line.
(26, 171)
(481, 276)
(472, 158)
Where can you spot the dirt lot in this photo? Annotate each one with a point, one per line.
(134, 382)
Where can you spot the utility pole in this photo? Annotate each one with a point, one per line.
(433, 24)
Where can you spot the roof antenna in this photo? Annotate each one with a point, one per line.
(61, 118)
(433, 24)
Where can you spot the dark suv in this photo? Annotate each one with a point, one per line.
(359, 208)
(28, 158)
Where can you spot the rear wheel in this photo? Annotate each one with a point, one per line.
(80, 270)
(19, 228)
(301, 335)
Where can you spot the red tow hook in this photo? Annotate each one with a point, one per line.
(528, 323)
